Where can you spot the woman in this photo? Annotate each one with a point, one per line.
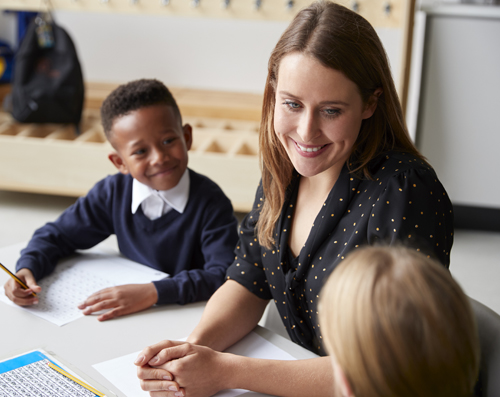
(395, 323)
(338, 171)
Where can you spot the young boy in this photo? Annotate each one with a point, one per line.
(164, 215)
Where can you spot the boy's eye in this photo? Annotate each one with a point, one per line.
(168, 141)
(139, 152)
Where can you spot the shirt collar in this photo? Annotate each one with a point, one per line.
(177, 197)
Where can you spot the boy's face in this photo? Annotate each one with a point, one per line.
(151, 146)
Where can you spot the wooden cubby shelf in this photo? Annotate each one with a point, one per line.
(52, 159)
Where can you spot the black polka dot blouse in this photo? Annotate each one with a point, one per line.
(405, 202)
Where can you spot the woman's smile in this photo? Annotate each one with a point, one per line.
(309, 150)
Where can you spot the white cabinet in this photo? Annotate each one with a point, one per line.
(458, 126)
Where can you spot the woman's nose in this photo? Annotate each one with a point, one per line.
(308, 127)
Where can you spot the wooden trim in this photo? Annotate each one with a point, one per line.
(275, 10)
(404, 83)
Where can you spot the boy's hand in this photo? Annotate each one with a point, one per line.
(124, 299)
(19, 295)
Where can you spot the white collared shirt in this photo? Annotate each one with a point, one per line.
(156, 203)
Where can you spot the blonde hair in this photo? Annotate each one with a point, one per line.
(399, 325)
(342, 40)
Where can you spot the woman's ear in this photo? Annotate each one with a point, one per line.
(118, 163)
(371, 105)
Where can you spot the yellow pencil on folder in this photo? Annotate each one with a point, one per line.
(81, 383)
(16, 278)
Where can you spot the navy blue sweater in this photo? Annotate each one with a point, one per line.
(195, 247)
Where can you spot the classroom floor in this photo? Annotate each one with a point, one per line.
(475, 257)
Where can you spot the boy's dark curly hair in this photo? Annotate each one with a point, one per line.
(132, 96)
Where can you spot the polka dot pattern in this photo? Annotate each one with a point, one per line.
(404, 203)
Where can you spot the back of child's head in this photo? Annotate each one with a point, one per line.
(133, 96)
(399, 325)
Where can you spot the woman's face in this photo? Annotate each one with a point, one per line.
(318, 114)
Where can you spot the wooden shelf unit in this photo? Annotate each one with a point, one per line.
(51, 159)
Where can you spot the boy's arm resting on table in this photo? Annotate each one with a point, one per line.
(230, 314)
(190, 285)
(217, 240)
(81, 226)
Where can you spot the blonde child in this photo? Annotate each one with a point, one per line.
(395, 323)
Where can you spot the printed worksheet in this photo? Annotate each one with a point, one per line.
(29, 375)
(122, 372)
(79, 276)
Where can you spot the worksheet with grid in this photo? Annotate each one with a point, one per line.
(79, 276)
(29, 375)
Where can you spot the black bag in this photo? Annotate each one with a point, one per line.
(48, 83)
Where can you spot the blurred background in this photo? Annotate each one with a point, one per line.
(444, 56)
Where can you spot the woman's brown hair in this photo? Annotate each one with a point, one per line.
(342, 40)
(399, 325)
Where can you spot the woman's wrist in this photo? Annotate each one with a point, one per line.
(231, 370)
(200, 338)
(194, 339)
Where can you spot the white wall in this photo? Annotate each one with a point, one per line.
(219, 54)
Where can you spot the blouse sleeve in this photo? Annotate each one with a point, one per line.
(247, 268)
(414, 208)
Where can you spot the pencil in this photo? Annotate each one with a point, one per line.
(76, 380)
(16, 278)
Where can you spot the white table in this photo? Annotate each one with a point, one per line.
(86, 341)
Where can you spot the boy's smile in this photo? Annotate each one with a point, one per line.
(151, 145)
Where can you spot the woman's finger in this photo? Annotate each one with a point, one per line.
(159, 385)
(149, 373)
(169, 354)
(149, 352)
(179, 393)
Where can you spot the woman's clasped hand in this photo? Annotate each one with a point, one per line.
(169, 364)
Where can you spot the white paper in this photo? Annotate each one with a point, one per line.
(122, 372)
(77, 277)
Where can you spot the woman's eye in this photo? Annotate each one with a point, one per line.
(332, 112)
(291, 105)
